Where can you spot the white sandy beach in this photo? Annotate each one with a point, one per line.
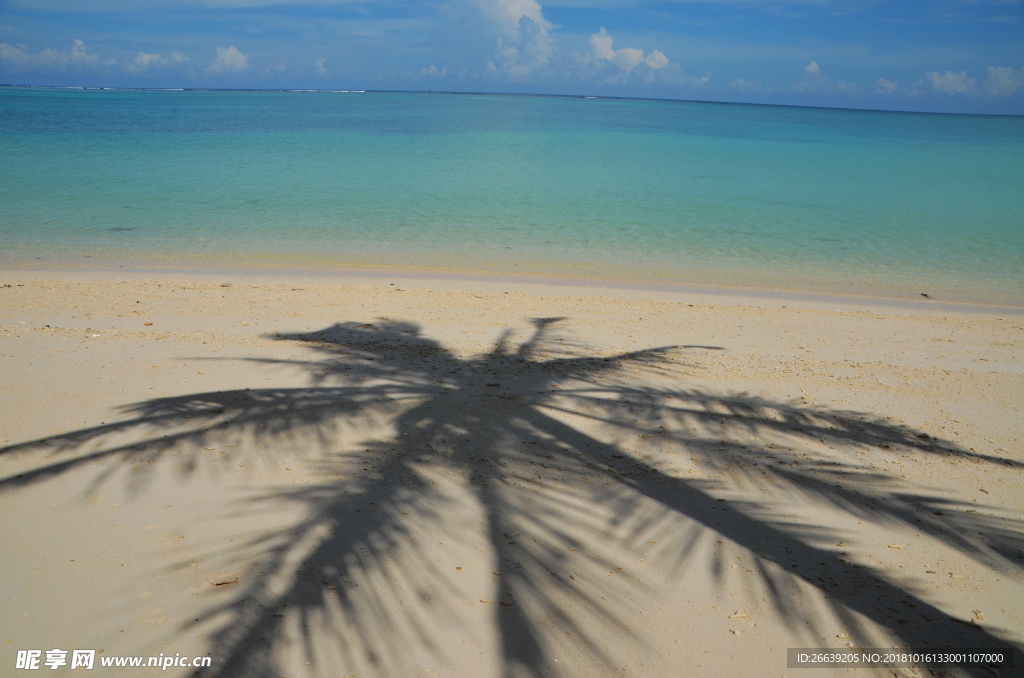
(407, 477)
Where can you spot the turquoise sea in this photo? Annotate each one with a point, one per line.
(642, 191)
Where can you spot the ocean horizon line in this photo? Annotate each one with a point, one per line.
(609, 97)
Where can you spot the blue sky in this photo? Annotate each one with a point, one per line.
(947, 55)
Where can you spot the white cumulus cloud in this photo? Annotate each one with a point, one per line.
(816, 82)
(948, 83)
(525, 51)
(1003, 81)
(320, 68)
(656, 60)
(143, 61)
(508, 14)
(884, 86)
(228, 59)
(612, 65)
(17, 59)
(626, 58)
(434, 72)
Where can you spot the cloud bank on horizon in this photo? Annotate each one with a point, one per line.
(952, 55)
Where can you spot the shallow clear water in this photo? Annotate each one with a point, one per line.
(668, 192)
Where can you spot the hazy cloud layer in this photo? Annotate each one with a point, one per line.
(143, 62)
(568, 46)
(744, 85)
(433, 71)
(1004, 81)
(883, 86)
(17, 59)
(947, 83)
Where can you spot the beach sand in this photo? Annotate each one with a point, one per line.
(409, 477)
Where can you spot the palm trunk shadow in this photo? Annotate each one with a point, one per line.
(920, 625)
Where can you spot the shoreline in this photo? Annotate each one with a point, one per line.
(534, 285)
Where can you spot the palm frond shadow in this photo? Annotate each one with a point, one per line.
(542, 494)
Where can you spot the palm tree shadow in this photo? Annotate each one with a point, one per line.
(502, 450)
